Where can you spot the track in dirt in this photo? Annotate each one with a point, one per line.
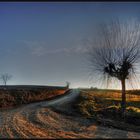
(37, 120)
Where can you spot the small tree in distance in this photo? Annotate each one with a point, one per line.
(67, 84)
(5, 77)
(116, 53)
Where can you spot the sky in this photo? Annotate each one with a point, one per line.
(44, 43)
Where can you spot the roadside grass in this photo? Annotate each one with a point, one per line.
(104, 107)
(14, 97)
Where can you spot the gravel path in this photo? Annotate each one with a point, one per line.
(40, 120)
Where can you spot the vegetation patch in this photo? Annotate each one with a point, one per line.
(14, 97)
(105, 108)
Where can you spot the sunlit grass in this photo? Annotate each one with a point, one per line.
(112, 95)
(10, 98)
(91, 102)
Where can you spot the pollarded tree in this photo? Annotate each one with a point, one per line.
(116, 51)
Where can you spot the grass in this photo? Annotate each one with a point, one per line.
(102, 105)
(16, 96)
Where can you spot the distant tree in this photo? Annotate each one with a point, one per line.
(5, 77)
(67, 84)
(116, 53)
(95, 88)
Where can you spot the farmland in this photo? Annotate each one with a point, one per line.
(18, 95)
(104, 107)
(54, 119)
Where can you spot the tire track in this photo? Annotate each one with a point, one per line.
(39, 121)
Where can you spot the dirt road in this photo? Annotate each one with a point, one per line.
(38, 120)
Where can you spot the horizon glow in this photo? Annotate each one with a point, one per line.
(44, 43)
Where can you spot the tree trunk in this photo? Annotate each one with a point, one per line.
(123, 103)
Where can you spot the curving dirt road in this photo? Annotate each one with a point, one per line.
(39, 120)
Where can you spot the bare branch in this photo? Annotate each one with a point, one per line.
(116, 49)
(5, 77)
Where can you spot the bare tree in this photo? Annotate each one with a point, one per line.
(116, 53)
(67, 84)
(5, 77)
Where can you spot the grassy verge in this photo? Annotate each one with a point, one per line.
(104, 107)
(14, 97)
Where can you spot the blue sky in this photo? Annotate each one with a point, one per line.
(43, 43)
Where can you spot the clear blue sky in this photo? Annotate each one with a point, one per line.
(42, 43)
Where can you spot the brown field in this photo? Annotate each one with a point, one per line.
(104, 107)
(111, 97)
(58, 120)
(17, 95)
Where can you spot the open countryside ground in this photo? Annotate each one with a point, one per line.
(41, 120)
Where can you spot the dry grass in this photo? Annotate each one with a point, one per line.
(34, 121)
(108, 98)
(112, 95)
(13, 97)
(100, 104)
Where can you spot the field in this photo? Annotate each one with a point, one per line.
(17, 95)
(104, 107)
(56, 119)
